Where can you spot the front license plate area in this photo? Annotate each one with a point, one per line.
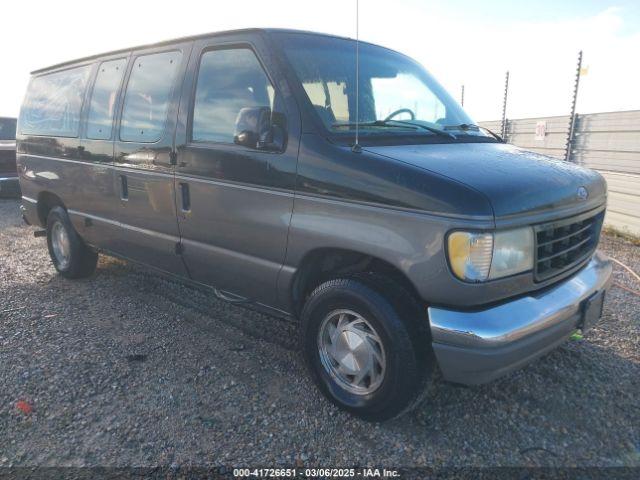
(591, 311)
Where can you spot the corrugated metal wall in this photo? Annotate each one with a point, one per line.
(607, 142)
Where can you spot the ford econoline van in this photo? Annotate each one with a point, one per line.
(366, 205)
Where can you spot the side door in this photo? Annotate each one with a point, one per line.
(144, 157)
(100, 225)
(235, 202)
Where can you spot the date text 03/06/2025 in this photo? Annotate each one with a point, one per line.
(315, 472)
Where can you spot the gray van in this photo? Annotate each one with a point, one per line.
(401, 235)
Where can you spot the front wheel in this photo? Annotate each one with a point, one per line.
(69, 254)
(367, 346)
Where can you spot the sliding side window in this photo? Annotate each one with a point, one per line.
(148, 95)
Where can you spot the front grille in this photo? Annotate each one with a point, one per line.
(561, 246)
(7, 161)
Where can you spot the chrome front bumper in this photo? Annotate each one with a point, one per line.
(478, 346)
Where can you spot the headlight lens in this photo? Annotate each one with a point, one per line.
(470, 255)
(480, 256)
(512, 252)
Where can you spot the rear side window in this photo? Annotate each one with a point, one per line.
(103, 99)
(228, 81)
(53, 103)
(147, 98)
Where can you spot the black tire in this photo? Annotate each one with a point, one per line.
(400, 323)
(81, 260)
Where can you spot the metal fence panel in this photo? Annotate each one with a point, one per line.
(625, 162)
(608, 142)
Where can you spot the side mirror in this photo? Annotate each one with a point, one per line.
(254, 129)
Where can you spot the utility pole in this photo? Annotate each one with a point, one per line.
(503, 130)
(462, 96)
(572, 117)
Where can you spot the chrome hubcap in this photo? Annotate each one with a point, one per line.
(351, 352)
(60, 245)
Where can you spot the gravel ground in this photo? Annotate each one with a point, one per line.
(127, 368)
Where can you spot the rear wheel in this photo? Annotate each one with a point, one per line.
(366, 343)
(69, 254)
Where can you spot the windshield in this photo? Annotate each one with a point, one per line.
(7, 128)
(396, 95)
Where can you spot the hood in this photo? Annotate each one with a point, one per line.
(514, 180)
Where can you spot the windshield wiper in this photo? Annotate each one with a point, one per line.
(397, 124)
(437, 131)
(472, 126)
(376, 123)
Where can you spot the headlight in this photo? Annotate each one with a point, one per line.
(480, 256)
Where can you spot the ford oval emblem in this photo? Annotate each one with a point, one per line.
(582, 193)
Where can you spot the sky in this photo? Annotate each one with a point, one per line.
(461, 42)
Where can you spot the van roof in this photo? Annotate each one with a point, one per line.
(185, 39)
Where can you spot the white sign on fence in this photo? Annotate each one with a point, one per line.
(541, 130)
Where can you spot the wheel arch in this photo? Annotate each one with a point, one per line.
(322, 264)
(46, 201)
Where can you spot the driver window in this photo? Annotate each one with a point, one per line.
(406, 91)
(228, 81)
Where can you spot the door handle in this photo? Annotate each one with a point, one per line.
(124, 188)
(185, 196)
